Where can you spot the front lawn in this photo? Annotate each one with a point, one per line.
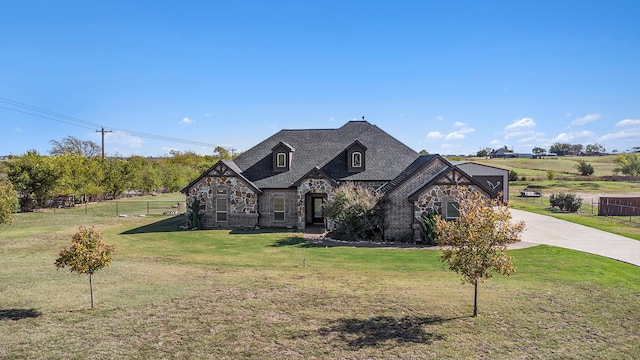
(221, 294)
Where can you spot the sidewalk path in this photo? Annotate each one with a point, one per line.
(541, 229)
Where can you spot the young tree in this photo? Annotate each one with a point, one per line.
(86, 254)
(475, 243)
(8, 202)
(628, 164)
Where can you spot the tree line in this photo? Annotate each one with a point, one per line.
(74, 170)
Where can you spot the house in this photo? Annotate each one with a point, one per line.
(284, 180)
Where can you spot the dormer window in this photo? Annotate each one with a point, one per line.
(281, 162)
(356, 159)
(282, 154)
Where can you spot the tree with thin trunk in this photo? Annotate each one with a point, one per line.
(475, 243)
(86, 254)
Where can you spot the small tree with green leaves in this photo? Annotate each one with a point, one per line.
(8, 202)
(584, 168)
(86, 254)
(475, 243)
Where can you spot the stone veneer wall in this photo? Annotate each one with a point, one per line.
(290, 208)
(243, 202)
(434, 197)
(400, 211)
(316, 186)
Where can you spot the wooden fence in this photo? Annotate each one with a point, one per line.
(619, 206)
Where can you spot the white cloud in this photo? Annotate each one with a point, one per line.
(186, 120)
(458, 124)
(568, 114)
(18, 130)
(586, 119)
(454, 136)
(439, 118)
(466, 130)
(207, 115)
(569, 137)
(624, 134)
(520, 124)
(122, 138)
(518, 134)
(628, 122)
(494, 142)
(435, 135)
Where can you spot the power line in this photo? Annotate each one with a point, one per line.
(51, 115)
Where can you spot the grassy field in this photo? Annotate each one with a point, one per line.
(590, 188)
(564, 166)
(220, 294)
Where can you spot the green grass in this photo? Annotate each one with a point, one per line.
(564, 166)
(221, 294)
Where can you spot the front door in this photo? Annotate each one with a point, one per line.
(317, 217)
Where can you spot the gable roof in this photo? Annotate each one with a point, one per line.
(222, 167)
(414, 167)
(326, 149)
(451, 175)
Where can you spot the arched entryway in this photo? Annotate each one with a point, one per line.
(314, 214)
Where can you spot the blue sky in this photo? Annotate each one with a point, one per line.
(450, 77)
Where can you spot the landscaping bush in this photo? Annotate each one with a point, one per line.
(356, 212)
(428, 227)
(584, 168)
(566, 202)
(513, 176)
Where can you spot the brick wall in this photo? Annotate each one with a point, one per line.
(290, 208)
(400, 212)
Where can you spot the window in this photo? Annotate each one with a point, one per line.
(282, 160)
(453, 211)
(278, 209)
(356, 159)
(221, 205)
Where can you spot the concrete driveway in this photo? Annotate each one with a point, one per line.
(541, 229)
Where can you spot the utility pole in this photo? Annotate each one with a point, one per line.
(232, 151)
(102, 130)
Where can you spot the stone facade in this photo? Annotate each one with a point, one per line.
(314, 186)
(434, 197)
(241, 200)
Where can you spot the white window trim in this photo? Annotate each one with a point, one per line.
(224, 197)
(282, 156)
(353, 159)
(283, 211)
(449, 217)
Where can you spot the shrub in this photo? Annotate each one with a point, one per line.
(551, 174)
(584, 168)
(195, 214)
(513, 176)
(566, 202)
(356, 212)
(524, 178)
(428, 227)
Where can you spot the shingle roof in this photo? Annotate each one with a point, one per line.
(386, 157)
(421, 161)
